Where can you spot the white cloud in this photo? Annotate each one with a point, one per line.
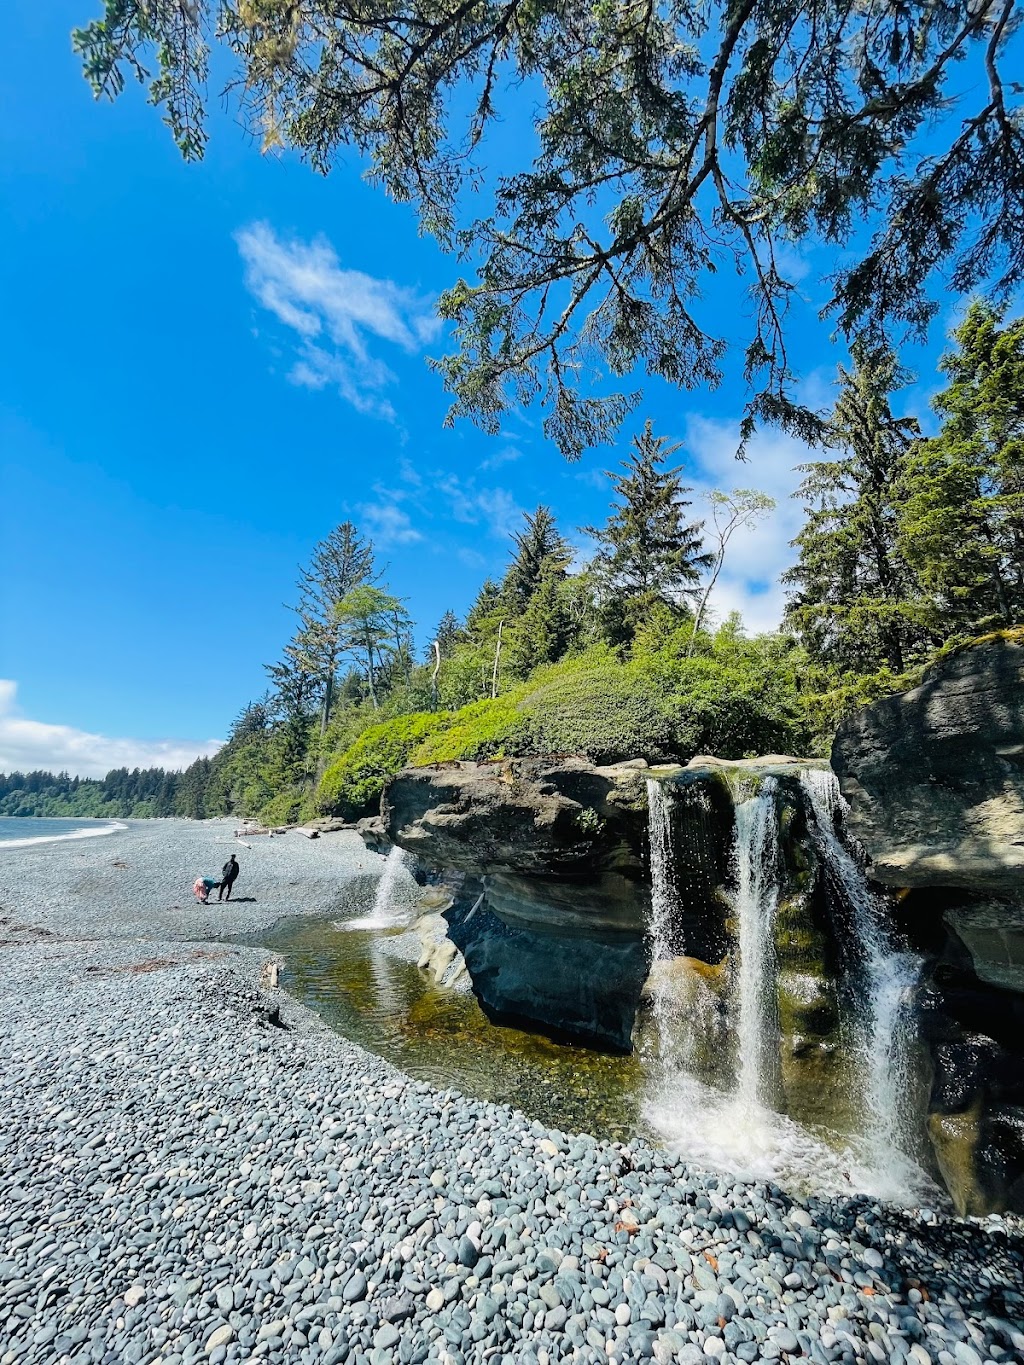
(495, 508)
(387, 524)
(506, 455)
(334, 313)
(756, 556)
(26, 745)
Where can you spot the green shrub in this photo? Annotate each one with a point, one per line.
(607, 713)
(282, 809)
(485, 729)
(354, 781)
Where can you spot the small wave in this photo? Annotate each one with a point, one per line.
(61, 838)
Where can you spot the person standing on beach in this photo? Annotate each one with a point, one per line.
(229, 874)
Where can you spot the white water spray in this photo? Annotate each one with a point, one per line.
(394, 896)
(756, 854)
(739, 1131)
(885, 1028)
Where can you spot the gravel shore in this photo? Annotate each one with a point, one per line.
(137, 882)
(182, 1180)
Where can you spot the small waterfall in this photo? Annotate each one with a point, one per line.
(394, 898)
(885, 1029)
(756, 855)
(664, 902)
(725, 1121)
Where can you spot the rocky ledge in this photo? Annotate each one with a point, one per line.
(935, 777)
(524, 816)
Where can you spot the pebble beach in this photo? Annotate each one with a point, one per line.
(194, 1168)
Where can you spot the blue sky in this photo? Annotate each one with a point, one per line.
(203, 369)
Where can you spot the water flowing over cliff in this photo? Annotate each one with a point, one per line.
(742, 1115)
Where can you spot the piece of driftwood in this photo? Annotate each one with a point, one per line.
(306, 832)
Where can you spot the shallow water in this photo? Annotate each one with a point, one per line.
(362, 983)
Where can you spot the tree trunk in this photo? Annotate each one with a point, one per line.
(369, 674)
(497, 656)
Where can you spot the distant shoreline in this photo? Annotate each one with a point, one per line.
(111, 827)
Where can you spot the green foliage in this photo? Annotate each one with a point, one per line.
(480, 731)
(855, 600)
(282, 809)
(541, 633)
(648, 556)
(609, 712)
(962, 514)
(731, 696)
(353, 783)
(541, 554)
(656, 142)
(737, 697)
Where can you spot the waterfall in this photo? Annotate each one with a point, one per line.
(884, 1030)
(393, 899)
(756, 855)
(663, 896)
(722, 1119)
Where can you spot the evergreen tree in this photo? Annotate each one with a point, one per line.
(542, 633)
(962, 519)
(657, 139)
(855, 602)
(340, 563)
(374, 628)
(649, 555)
(485, 613)
(540, 550)
(449, 635)
(191, 795)
(253, 719)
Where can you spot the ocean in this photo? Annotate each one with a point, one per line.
(17, 831)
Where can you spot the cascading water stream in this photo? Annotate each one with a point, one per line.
(735, 1128)
(393, 899)
(683, 1005)
(885, 1027)
(756, 855)
(663, 898)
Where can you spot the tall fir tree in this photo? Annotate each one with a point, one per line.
(854, 599)
(341, 562)
(485, 613)
(540, 550)
(449, 635)
(542, 632)
(962, 519)
(649, 556)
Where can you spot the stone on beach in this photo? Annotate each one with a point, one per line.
(256, 1194)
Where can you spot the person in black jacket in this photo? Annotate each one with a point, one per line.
(229, 873)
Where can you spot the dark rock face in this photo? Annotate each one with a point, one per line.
(566, 959)
(526, 817)
(935, 778)
(976, 1110)
(551, 921)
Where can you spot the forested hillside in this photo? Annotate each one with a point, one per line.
(911, 544)
(139, 792)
